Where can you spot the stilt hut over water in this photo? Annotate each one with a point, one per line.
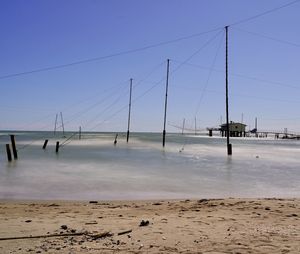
(235, 129)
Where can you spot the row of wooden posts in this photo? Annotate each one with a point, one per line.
(15, 151)
(56, 147)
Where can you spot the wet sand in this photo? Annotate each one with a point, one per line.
(167, 226)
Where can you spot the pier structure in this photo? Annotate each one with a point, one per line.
(253, 133)
(235, 129)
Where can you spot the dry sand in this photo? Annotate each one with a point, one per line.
(186, 226)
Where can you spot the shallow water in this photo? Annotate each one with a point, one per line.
(189, 167)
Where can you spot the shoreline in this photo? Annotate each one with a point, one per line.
(230, 225)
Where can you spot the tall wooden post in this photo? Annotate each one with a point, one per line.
(79, 132)
(116, 139)
(45, 144)
(8, 153)
(195, 126)
(13, 145)
(129, 109)
(55, 124)
(229, 147)
(166, 103)
(256, 134)
(183, 124)
(57, 147)
(62, 123)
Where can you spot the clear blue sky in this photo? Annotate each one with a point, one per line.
(40, 34)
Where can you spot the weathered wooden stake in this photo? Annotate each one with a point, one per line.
(116, 139)
(8, 153)
(79, 132)
(13, 145)
(45, 144)
(57, 147)
(166, 103)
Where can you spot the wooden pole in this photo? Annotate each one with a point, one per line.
(79, 132)
(229, 147)
(45, 144)
(13, 145)
(55, 124)
(129, 109)
(57, 147)
(195, 126)
(62, 123)
(116, 139)
(256, 134)
(183, 124)
(166, 103)
(8, 153)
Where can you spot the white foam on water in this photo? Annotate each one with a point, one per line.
(188, 167)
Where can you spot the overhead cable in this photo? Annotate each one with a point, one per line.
(160, 81)
(94, 59)
(240, 75)
(264, 13)
(269, 37)
(209, 75)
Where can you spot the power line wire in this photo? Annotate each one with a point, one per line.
(240, 75)
(209, 75)
(239, 95)
(264, 13)
(196, 52)
(178, 67)
(95, 94)
(268, 37)
(157, 83)
(280, 119)
(120, 96)
(80, 113)
(142, 80)
(76, 115)
(88, 60)
(263, 98)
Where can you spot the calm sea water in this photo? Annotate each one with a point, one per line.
(188, 167)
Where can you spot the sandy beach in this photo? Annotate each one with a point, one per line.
(163, 226)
